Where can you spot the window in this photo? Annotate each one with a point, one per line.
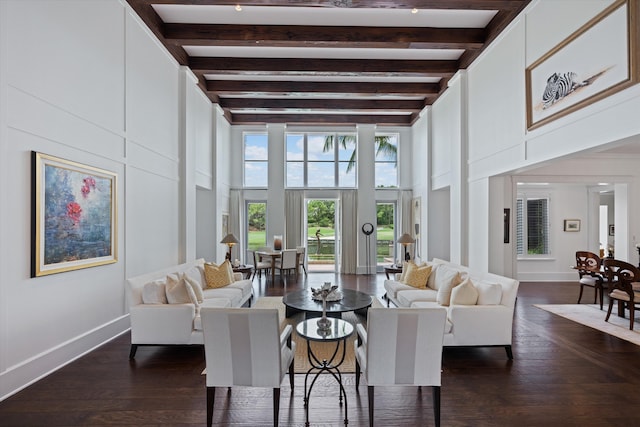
(386, 169)
(256, 160)
(316, 160)
(256, 225)
(532, 226)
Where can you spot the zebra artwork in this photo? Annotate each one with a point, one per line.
(559, 86)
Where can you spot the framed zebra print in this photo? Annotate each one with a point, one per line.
(597, 60)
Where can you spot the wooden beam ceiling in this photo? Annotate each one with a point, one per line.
(265, 88)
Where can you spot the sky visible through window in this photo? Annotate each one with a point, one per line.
(256, 160)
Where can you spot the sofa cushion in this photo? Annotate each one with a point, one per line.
(446, 279)
(417, 276)
(464, 294)
(155, 292)
(489, 293)
(176, 290)
(393, 287)
(232, 294)
(406, 298)
(245, 285)
(217, 276)
(195, 287)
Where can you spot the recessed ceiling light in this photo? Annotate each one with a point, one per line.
(239, 8)
(414, 10)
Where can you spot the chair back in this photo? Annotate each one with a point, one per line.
(301, 250)
(404, 346)
(289, 259)
(621, 275)
(242, 347)
(587, 263)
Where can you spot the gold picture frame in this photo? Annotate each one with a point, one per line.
(581, 70)
(74, 216)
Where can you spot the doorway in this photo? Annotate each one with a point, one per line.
(323, 243)
(386, 235)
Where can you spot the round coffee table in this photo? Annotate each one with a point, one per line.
(351, 300)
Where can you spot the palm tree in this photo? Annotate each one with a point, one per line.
(383, 144)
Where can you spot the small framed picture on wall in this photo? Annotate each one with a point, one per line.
(571, 225)
(612, 230)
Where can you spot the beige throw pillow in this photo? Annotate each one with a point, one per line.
(218, 276)
(177, 290)
(446, 279)
(464, 294)
(417, 276)
(195, 287)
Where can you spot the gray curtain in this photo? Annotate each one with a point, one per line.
(294, 211)
(236, 221)
(349, 232)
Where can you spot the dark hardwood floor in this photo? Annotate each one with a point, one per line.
(563, 374)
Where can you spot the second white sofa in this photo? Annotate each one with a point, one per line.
(483, 320)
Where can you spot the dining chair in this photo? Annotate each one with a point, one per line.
(287, 262)
(259, 266)
(588, 265)
(401, 346)
(623, 287)
(243, 347)
(302, 250)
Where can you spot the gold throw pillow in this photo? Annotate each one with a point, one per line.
(218, 276)
(417, 276)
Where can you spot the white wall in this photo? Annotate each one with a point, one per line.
(498, 143)
(104, 100)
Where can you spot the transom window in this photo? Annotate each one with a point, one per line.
(386, 165)
(316, 160)
(256, 160)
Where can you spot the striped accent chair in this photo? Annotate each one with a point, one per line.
(401, 346)
(243, 347)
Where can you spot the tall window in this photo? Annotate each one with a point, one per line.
(256, 225)
(386, 160)
(321, 160)
(385, 232)
(256, 160)
(532, 226)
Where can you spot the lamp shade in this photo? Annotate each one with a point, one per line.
(405, 239)
(229, 239)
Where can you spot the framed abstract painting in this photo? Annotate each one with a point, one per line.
(74, 216)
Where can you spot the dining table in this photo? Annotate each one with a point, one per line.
(273, 255)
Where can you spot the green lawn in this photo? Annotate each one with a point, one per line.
(257, 238)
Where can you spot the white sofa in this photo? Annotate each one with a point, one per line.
(488, 322)
(169, 324)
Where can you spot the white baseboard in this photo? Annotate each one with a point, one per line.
(28, 372)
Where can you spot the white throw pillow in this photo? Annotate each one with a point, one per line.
(195, 287)
(489, 293)
(446, 279)
(464, 294)
(177, 290)
(154, 292)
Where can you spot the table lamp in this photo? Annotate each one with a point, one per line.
(406, 240)
(229, 240)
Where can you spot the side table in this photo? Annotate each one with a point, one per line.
(339, 332)
(246, 270)
(392, 269)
